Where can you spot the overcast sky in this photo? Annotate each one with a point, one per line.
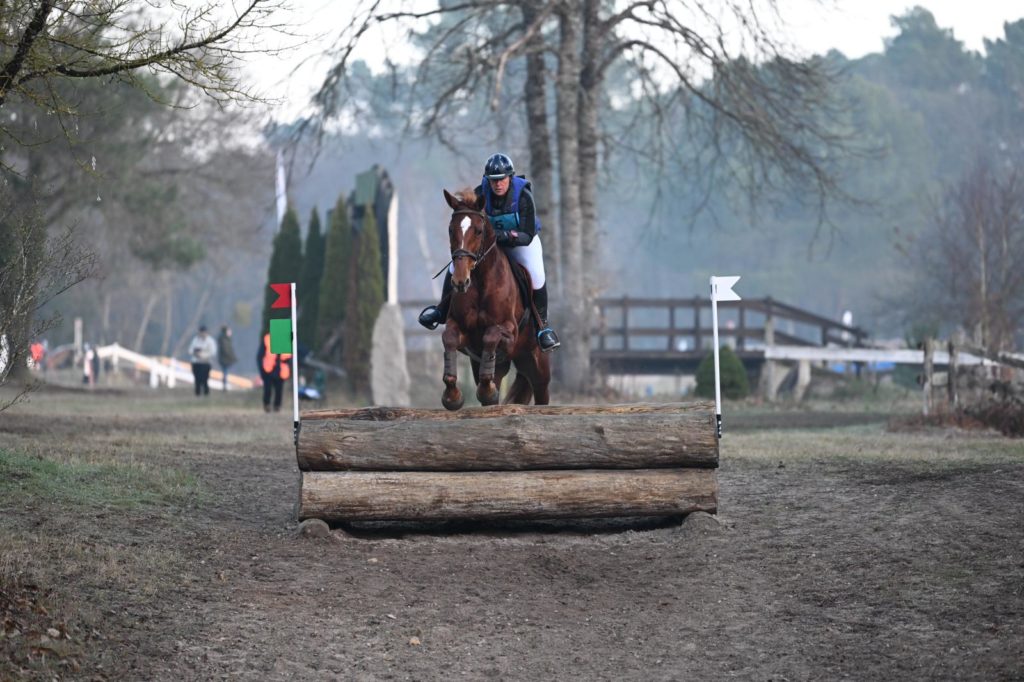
(855, 27)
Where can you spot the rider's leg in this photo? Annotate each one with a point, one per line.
(532, 258)
(433, 315)
(546, 337)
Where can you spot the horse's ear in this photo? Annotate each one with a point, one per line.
(452, 201)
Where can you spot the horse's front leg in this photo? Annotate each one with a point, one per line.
(453, 339)
(495, 337)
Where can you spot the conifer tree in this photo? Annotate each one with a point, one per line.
(309, 280)
(365, 298)
(285, 264)
(334, 283)
(732, 373)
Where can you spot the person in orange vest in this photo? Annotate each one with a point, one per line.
(275, 369)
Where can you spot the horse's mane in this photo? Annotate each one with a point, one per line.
(467, 196)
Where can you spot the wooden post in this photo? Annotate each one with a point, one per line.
(803, 379)
(926, 380)
(697, 340)
(951, 380)
(741, 330)
(625, 323)
(770, 368)
(671, 327)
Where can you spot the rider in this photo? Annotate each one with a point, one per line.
(508, 202)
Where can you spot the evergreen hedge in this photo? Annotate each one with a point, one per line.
(334, 283)
(732, 373)
(365, 298)
(309, 281)
(285, 264)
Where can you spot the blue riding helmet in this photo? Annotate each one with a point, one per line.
(498, 166)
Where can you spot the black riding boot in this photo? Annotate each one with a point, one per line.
(433, 315)
(546, 337)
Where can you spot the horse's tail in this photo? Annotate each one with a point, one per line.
(520, 392)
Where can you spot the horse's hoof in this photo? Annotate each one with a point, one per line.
(452, 404)
(487, 397)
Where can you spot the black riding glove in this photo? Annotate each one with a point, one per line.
(512, 238)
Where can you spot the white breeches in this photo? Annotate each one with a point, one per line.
(530, 257)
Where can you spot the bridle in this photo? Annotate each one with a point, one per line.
(477, 256)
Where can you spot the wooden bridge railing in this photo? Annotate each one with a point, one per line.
(614, 324)
(694, 323)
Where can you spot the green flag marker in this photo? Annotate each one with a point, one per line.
(280, 336)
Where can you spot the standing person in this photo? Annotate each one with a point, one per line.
(225, 352)
(274, 370)
(508, 202)
(201, 350)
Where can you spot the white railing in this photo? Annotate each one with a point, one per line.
(165, 371)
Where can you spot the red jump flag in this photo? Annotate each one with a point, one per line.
(284, 295)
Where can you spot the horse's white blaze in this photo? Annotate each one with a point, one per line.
(466, 222)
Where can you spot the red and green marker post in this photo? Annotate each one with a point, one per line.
(282, 340)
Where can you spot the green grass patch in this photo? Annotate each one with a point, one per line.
(124, 485)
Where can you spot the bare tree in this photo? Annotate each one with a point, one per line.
(966, 266)
(33, 270)
(755, 116)
(98, 45)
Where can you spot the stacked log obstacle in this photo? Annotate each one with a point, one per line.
(507, 462)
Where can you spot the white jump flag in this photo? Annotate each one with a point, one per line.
(721, 290)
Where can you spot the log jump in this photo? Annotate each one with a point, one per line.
(507, 462)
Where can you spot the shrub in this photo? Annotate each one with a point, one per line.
(734, 376)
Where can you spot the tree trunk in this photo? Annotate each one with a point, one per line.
(386, 496)
(165, 345)
(147, 312)
(575, 361)
(193, 323)
(541, 171)
(589, 94)
(513, 443)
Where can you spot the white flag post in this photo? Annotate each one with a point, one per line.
(281, 189)
(721, 290)
(295, 370)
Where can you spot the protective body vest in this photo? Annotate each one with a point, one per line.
(507, 218)
(270, 359)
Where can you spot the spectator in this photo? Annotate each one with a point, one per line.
(201, 351)
(90, 365)
(225, 352)
(274, 370)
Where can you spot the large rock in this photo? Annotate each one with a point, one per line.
(389, 375)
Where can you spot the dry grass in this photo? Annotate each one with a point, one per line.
(115, 508)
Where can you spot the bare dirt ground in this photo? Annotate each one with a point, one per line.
(170, 553)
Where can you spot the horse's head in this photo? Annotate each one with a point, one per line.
(470, 235)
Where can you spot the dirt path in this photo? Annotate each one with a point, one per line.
(850, 552)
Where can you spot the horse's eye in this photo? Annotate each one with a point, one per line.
(479, 230)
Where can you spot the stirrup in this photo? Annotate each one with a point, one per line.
(430, 317)
(548, 340)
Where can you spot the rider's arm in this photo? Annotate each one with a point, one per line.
(522, 235)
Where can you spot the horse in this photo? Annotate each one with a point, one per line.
(487, 318)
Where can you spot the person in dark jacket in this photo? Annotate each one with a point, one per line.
(508, 202)
(225, 352)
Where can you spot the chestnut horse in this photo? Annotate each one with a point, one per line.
(486, 316)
